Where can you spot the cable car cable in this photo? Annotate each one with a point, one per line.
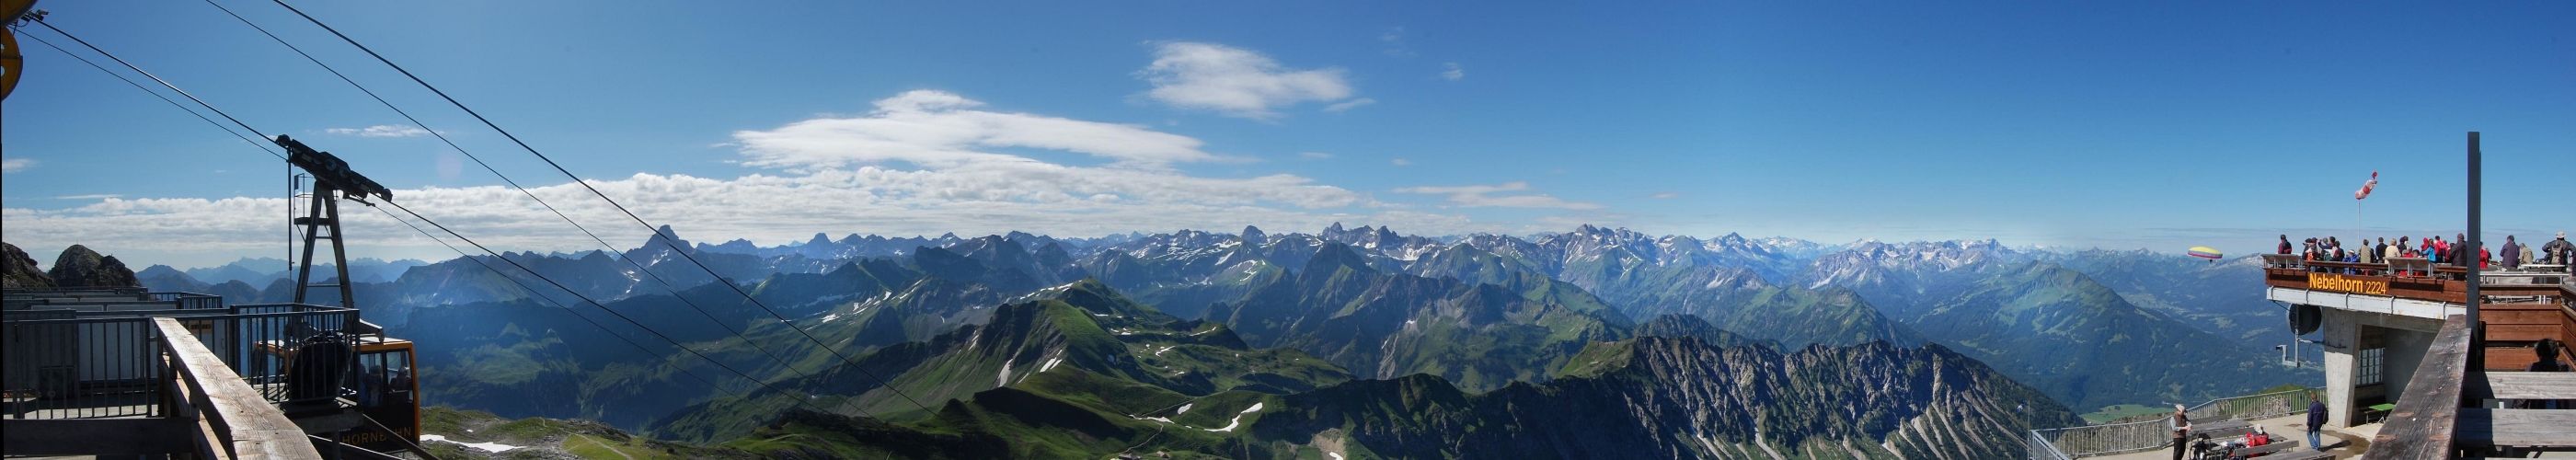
(156, 94)
(667, 285)
(639, 220)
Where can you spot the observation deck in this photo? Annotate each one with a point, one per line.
(2400, 350)
(122, 371)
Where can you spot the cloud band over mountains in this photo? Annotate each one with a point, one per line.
(924, 162)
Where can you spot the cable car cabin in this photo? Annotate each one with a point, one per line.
(388, 392)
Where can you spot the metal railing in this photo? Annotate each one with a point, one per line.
(2040, 448)
(65, 364)
(2155, 433)
(80, 368)
(190, 300)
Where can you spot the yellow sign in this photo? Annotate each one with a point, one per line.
(2341, 283)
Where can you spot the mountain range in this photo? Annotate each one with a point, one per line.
(1355, 341)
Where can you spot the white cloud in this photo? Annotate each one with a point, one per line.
(1055, 200)
(1394, 40)
(1482, 196)
(821, 179)
(1452, 72)
(97, 196)
(1400, 162)
(1314, 155)
(16, 164)
(937, 129)
(1667, 195)
(1339, 107)
(380, 131)
(1235, 81)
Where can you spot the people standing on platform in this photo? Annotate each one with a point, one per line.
(2316, 421)
(2181, 431)
(2438, 250)
(2285, 244)
(2560, 251)
(2392, 251)
(2513, 253)
(2379, 252)
(2460, 250)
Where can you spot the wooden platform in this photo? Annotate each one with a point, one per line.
(2299, 455)
(2517, 427)
(2531, 385)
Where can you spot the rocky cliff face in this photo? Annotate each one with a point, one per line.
(78, 266)
(1657, 397)
(17, 270)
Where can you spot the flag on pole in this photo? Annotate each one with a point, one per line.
(2367, 186)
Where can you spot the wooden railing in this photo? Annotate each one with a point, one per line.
(2442, 283)
(205, 409)
(2451, 405)
(2428, 414)
(233, 420)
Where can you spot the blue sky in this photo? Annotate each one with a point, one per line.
(2153, 125)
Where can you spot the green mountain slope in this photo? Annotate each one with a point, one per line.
(2084, 344)
(1083, 328)
(1389, 324)
(1649, 398)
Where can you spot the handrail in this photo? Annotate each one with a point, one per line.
(2427, 415)
(2040, 449)
(233, 420)
(2154, 433)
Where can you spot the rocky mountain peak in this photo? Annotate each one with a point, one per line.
(78, 266)
(19, 271)
(1252, 236)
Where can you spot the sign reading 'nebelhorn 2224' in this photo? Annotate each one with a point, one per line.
(2341, 283)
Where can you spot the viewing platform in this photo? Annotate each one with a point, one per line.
(125, 372)
(2406, 376)
(2400, 350)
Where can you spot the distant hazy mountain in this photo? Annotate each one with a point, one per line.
(1384, 325)
(1726, 281)
(263, 270)
(2208, 295)
(2059, 329)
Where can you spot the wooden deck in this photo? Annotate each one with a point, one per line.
(2443, 413)
(2518, 427)
(2427, 416)
(2528, 385)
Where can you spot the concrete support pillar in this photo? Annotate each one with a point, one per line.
(2340, 334)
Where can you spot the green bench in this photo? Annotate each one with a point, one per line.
(2380, 410)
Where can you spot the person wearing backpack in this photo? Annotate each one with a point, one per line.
(2316, 421)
